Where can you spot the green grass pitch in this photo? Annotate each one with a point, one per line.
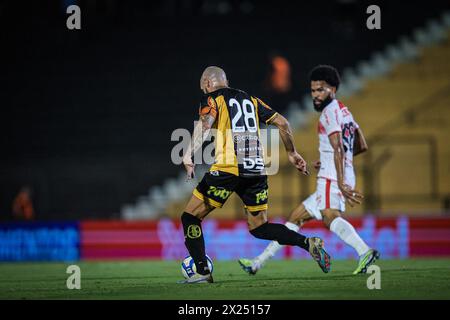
(291, 279)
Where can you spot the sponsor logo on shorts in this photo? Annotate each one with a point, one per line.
(219, 192)
(261, 196)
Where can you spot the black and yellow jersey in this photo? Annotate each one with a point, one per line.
(238, 147)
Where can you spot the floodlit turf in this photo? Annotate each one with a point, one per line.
(400, 279)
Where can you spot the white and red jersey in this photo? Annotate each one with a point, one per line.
(336, 117)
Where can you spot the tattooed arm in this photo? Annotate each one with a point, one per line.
(201, 132)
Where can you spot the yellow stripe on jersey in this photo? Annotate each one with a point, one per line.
(271, 118)
(225, 157)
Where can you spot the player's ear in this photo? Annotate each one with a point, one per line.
(208, 85)
(332, 91)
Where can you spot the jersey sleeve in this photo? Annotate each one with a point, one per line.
(265, 113)
(332, 120)
(208, 106)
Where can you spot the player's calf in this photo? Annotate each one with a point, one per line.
(281, 234)
(194, 241)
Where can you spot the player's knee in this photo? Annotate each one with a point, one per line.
(260, 232)
(189, 218)
(328, 218)
(200, 211)
(193, 213)
(256, 219)
(299, 216)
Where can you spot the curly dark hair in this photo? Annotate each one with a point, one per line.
(325, 73)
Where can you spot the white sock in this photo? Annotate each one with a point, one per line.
(292, 226)
(273, 247)
(348, 234)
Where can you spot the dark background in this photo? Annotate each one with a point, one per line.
(87, 114)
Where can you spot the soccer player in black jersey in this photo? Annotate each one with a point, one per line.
(238, 167)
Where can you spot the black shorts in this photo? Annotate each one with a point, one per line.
(217, 186)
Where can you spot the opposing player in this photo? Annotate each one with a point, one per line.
(238, 166)
(340, 138)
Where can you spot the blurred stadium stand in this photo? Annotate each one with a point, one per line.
(400, 99)
(88, 114)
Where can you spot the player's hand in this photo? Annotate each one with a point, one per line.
(316, 164)
(352, 196)
(298, 162)
(190, 168)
